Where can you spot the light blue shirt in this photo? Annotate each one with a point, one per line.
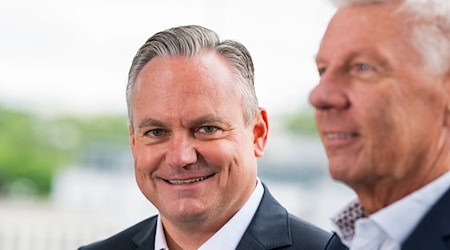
(229, 236)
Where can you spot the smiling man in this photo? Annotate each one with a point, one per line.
(196, 131)
(383, 114)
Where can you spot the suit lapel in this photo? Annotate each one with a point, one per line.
(269, 227)
(433, 231)
(145, 239)
(335, 243)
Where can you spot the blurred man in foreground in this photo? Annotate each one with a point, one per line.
(383, 114)
(196, 131)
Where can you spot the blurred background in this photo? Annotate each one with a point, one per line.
(66, 172)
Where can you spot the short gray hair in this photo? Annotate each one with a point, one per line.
(430, 34)
(189, 41)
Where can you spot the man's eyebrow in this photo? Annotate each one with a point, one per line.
(206, 119)
(150, 122)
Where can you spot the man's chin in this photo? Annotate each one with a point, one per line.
(340, 172)
(187, 215)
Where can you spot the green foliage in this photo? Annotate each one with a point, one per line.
(302, 123)
(21, 153)
(33, 148)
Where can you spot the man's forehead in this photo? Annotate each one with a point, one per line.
(364, 28)
(368, 13)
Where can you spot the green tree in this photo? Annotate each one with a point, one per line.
(302, 123)
(33, 148)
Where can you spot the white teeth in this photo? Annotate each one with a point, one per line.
(181, 182)
(338, 136)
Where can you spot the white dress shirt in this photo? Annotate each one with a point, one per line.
(389, 227)
(229, 236)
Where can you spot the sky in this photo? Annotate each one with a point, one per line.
(61, 56)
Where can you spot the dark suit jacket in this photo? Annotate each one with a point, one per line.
(335, 244)
(432, 232)
(272, 227)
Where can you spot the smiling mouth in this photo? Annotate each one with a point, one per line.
(334, 136)
(187, 181)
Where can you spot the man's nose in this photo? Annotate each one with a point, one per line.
(181, 151)
(329, 94)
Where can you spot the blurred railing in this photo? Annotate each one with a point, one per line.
(43, 236)
(39, 227)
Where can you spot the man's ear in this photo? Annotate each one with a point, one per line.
(260, 132)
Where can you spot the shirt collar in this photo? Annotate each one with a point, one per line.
(397, 219)
(160, 239)
(229, 236)
(344, 221)
(401, 217)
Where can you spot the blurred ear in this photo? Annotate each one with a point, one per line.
(260, 132)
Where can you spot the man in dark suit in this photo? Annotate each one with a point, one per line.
(196, 130)
(383, 114)
(272, 227)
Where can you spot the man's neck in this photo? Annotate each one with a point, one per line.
(188, 236)
(385, 191)
(179, 241)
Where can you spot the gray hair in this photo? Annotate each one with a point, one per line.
(430, 34)
(189, 41)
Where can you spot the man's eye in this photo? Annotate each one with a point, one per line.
(208, 129)
(208, 133)
(155, 132)
(364, 67)
(321, 70)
